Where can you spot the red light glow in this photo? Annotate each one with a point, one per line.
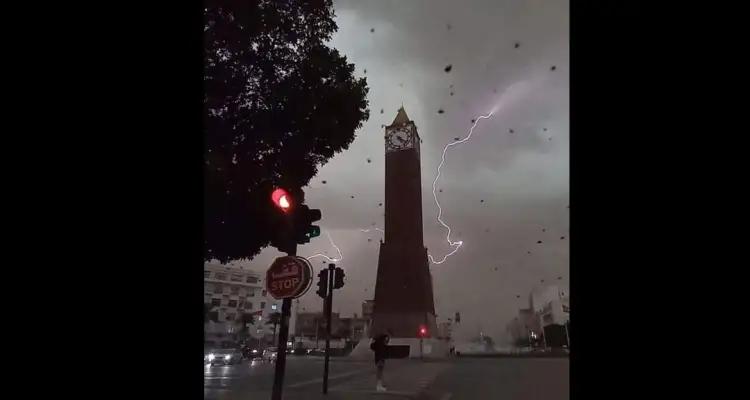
(282, 199)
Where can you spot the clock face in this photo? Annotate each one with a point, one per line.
(398, 139)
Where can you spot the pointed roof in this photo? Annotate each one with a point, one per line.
(401, 117)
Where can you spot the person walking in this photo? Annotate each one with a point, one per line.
(379, 346)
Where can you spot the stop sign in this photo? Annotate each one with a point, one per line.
(288, 277)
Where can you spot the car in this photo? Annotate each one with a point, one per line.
(224, 356)
(270, 354)
(316, 352)
(251, 353)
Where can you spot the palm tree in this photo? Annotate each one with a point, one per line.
(274, 319)
(207, 310)
(241, 322)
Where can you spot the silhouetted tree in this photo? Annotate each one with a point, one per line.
(274, 319)
(278, 103)
(209, 314)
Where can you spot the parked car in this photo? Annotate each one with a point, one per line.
(250, 353)
(224, 356)
(316, 352)
(269, 354)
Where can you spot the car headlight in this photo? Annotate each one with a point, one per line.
(255, 351)
(228, 356)
(211, 357)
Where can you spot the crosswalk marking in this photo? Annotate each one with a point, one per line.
(320, 380)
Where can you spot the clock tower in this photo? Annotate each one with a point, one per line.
(403, 291)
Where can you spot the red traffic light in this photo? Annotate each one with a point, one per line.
(281, 199)
(422, 330)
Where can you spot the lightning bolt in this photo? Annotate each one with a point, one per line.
(373, 229)
(459, 243)
(330, 239)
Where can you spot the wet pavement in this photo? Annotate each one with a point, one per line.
(254, 380)
(462, 378)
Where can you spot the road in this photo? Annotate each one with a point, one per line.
(462, 378)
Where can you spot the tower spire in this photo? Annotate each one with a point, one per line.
(401, 117)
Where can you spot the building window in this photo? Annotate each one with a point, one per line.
(235, 290)
(252, 279)
(236, 278)
(262, 305)
(232, 303)
(230, 317)
(249, 305)
(263, 293)
(251, 293)
(218, 288)
(242, 303)
(206, 274)
(216, 302)
(221, 276)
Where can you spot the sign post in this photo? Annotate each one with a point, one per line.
(328, 307)
(331, 278)
(287, 278)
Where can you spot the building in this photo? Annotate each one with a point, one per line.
(368, 306)
(312, 325)
(353, 329)
(445, 330)
(526, 327)
(403, 290)
(544, 319)
(547, 318)
(230, 294)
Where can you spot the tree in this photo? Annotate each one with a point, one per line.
(274, 319)
(278, 104)
(206, 310)
(243, 321)
(209, 314)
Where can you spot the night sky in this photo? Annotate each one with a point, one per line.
(503, 191)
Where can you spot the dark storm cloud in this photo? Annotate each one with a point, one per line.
(522, 177)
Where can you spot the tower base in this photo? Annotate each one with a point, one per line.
(430, 348)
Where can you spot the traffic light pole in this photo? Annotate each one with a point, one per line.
(278, 376)
(328, 307)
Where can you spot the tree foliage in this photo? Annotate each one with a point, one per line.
(273, 318)
(278, 104)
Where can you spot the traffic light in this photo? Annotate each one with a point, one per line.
(422, 331)
(303, 228)
(282, 200)
(338, 278)
(289, 220)
(323, 283)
